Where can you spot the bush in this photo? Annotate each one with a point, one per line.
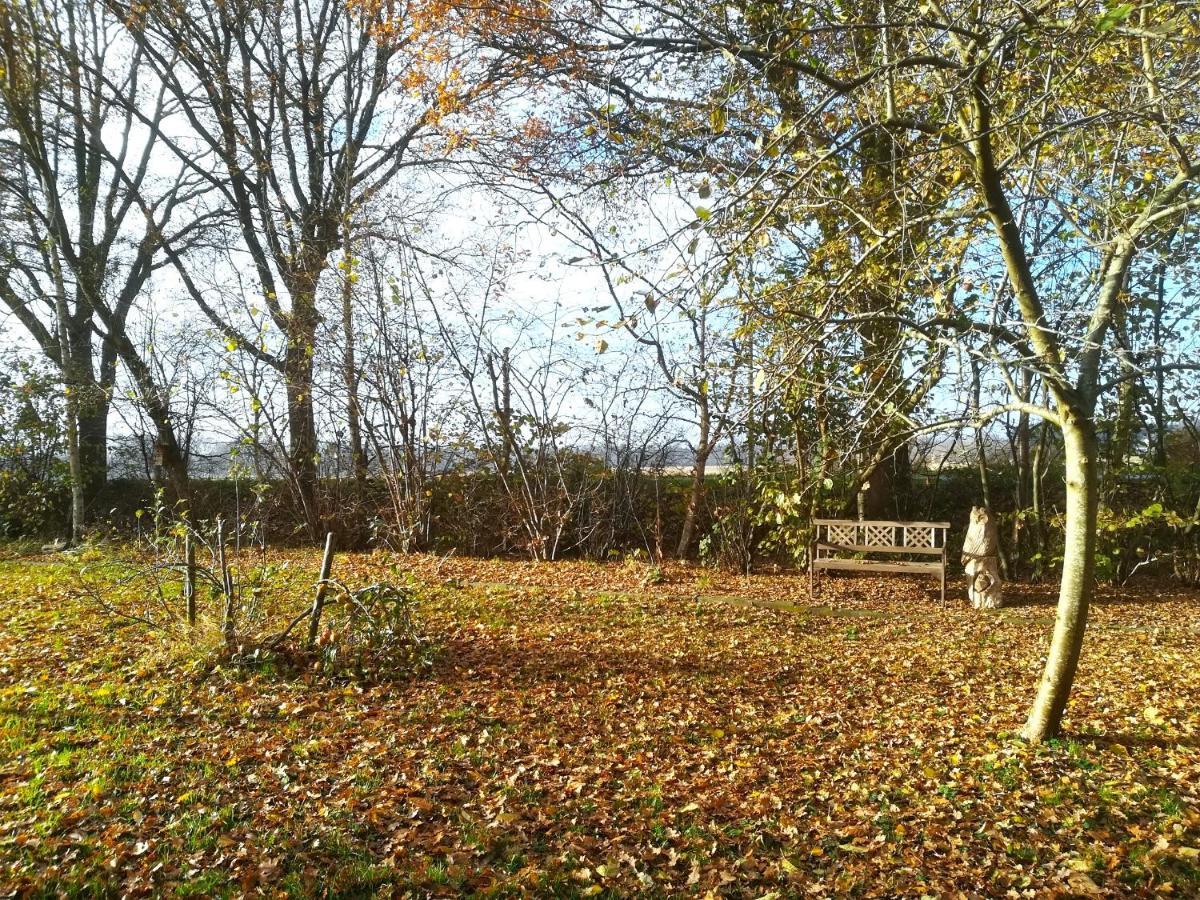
(376, 635)
(34, 484)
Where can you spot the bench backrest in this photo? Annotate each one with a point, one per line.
(878, 535)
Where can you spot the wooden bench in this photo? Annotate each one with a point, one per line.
(926, 541)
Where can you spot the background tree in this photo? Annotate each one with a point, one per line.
(298, 116)
(93, 209)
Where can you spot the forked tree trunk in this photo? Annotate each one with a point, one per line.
(1081, 454)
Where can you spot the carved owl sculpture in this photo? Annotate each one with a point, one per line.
(981, 559)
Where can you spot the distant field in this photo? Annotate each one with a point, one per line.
(585, 731)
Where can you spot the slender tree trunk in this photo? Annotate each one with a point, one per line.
(696, 493)
(1160, 405)
(229, 615)
(314, 618)
(1037, 473)
(1023, 490)
(358, 457)
(501, 385)
(1120, 443)
(1078, 576)
(189, 577)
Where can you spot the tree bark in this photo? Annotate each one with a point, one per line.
(1078, 576)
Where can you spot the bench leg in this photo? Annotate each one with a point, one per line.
(811, 560)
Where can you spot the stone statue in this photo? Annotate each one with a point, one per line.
(981, 557)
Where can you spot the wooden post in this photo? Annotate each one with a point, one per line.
(189, 577)
(314, 619)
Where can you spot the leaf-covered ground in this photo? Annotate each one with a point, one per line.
(584, 733)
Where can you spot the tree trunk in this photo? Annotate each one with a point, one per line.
(696, 494)
(1022, 455)
(358, 456)
(74, 463)
(889, 483)
(1159, 403)
(174, 465)
(73, 386)
(314, 618)
(888, 486)
(92, 418)
(302, 429)
(1078, 576)
(91, 410)
(168, 452)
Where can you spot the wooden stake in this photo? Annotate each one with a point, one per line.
(314, 620)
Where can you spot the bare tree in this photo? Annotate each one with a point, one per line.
(294, 120)
(93, 214)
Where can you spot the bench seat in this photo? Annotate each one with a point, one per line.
(880, 565)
